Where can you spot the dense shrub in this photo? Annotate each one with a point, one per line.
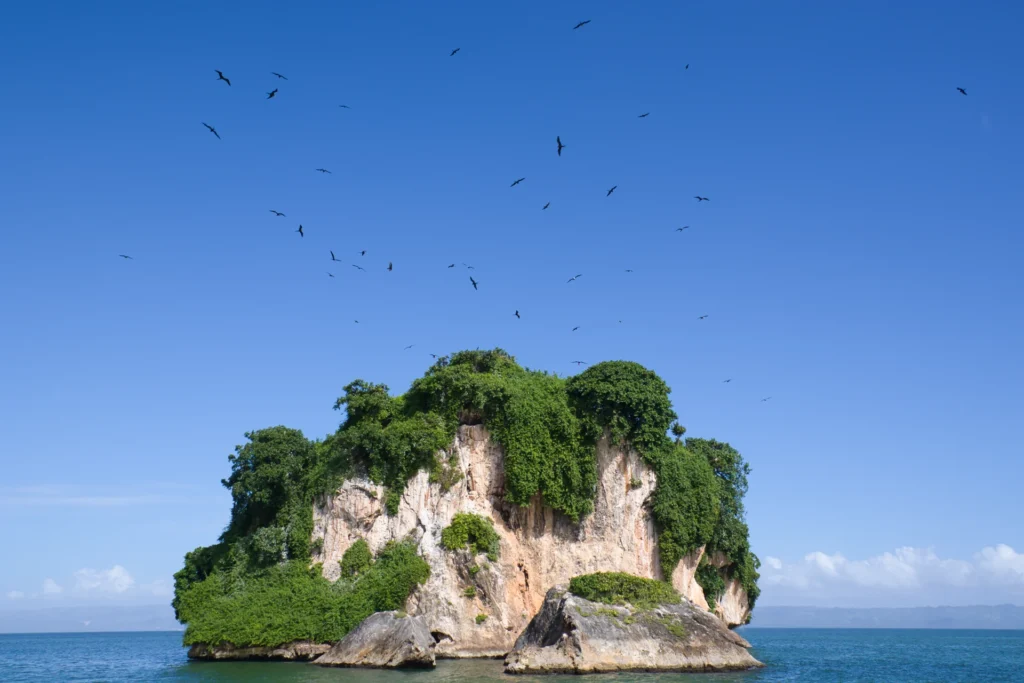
(470, 531)
(616, 588)
(291, 601)
(710, 579)
(357, 559)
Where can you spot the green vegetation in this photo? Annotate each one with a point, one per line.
(474, 570)
(356, 559)
(469, 592)
(616, 588)
(548, 427)
(468, 530)
(291, 601)
(711, 580)
(481, 618)
(670, 623)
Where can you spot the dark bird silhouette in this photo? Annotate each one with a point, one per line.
(629, 270)
(359, 267)
(473, 281)
(212, 130)
(962, 91)
(702, 317)
(581, 24)
(454, 51)
(301, 234)
(644, 115)
(126, 256)
(558, 139)
(579, 362)
(686, 67)
(221, 77)
(609, 192)
(270, 95)
(390, 266)
(766, 398)
(685, 227)
(545, 206)
(517, 314)
(274, 73)
(330, 274)
(433, 355)
(701, 199)
(408, 347)
(573, 278)
(276, 213)
(344, 106)
(362, 253)
(323, 170)
(451, 265)
(517, 182)
(575, 328)
(726, 381)
(469, 266)
(332, 255)
(357, 322)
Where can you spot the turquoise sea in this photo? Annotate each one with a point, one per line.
(806, 655)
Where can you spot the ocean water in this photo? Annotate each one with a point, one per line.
(805, 655)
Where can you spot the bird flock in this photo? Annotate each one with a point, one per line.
(559, 146)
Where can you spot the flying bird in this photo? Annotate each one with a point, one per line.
(276, 213)
(390, 266)
(581, 24)
(212, 130)
(701, 199)
(545, 206)
(579, 362)
(682, 228)
(408, 347)
(469, 266)
(726, 381)
(962, 91)
(558, 139)
(344, 106)
(362, 253)
(451, 265)
(301, 234)
(270, 95)
(644, 115)
(221, 77)
(517, 314)
(473, 281)
(609, 192)
(359, 267)
(629, 270)
(454, 51)
(702, 317)
(323, 170)
(126, 256)
(517, 182)
(274, 73)
(766, 398)
(433, 355)
(332, 255)
(330, 275)
(573, 278)
(686, 67)
(575, 328)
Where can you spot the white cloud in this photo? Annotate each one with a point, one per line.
(50, 587)
(160, 588)
(112, 581)
(15, 595)
(906, 576)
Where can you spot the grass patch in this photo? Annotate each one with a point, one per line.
(616, 588)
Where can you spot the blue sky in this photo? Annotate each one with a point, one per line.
(857, 260)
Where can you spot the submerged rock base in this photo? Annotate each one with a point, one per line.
(384, 640)
(300, 650)
(573, 635)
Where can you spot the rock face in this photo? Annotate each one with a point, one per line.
(539, 547)
(384, 640)
(573, 635)
(300, 650)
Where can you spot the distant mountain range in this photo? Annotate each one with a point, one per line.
(81, 619)
(973, 617)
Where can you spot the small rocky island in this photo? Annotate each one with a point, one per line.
(439, 523)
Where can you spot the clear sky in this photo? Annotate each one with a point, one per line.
(858, 258)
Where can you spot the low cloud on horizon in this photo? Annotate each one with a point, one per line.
(906, 577)
(89, 585)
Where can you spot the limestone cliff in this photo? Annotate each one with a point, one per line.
(540, 548)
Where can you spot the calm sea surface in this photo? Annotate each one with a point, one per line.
(806, 655)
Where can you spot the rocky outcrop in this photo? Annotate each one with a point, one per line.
(300, 650)
(573, 635)
(384, 640)
(539, 547)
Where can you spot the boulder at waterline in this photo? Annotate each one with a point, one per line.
(384, 640)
